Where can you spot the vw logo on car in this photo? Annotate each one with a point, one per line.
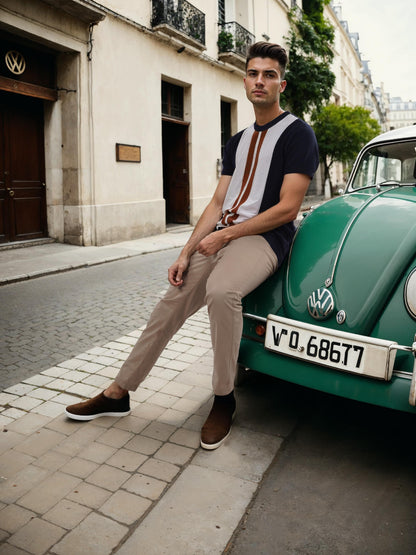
(321, 304)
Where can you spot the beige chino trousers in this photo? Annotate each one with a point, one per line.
(219, 281)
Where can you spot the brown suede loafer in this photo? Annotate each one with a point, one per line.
(99, 406)
(217, 426)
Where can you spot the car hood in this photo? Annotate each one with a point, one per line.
(362, 243)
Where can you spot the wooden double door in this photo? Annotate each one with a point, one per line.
(22, 168)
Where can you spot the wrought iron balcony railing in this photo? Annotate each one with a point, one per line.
(234, 38)
(182, 16)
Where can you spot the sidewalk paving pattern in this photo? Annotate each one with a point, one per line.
(139, 484)
(132, 485)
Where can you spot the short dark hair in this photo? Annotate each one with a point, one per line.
(268, 50)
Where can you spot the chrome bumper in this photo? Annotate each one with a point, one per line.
(412, 349)
(412, 394)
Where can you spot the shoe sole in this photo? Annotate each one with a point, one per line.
(212, 446)
(86, 417)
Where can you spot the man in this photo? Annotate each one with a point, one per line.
(241, 237)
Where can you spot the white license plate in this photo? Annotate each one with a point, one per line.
(344, 351)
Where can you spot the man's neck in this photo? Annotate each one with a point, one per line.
(265, 116)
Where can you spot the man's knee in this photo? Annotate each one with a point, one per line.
(220, 296)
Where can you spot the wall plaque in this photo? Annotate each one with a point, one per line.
(128, 153)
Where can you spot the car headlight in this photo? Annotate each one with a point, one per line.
(410, 294)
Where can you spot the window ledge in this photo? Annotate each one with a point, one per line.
(164, 30)
(81, 9)
(233, 59)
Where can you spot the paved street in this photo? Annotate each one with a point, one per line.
(302, 472)
(105, 486)
(48, 320)
(344, 483)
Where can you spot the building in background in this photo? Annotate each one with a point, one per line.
(383, 99)
(350, 87)
(347, 63)
(114, 114)
(373, 101)
(354, 85)
(401, 113)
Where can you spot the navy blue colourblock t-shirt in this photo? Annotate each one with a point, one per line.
(295, 151)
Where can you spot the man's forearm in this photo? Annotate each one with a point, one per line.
(206, 224)
(209, 218)
(286, 210)
(271, 219)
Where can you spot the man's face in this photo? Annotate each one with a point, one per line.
(262, 82)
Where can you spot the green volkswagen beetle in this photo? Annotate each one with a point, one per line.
(339, 315)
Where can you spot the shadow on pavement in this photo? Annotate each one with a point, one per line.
(343, 482)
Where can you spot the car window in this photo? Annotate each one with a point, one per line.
(384, 163)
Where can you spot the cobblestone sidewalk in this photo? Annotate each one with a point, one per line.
(138, 484)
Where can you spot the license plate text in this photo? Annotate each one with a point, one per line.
(322, 349)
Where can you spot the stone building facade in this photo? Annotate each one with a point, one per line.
(401, 112)
(113, 114)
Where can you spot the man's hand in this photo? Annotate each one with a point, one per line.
(211, 244)
(177, 270)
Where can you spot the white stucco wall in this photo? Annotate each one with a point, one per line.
(346, 65)
(127, 69)
(115, 97)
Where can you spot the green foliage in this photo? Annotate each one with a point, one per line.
(341, 132)
(314, 10)
(225, 41)
(309, 78)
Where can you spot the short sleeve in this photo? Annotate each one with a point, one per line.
(228, 161)
(301, 150)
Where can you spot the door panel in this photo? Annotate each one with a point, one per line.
(175, 172)
(22, 189)
(4, 220)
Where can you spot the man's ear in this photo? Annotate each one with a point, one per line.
(283, 85)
